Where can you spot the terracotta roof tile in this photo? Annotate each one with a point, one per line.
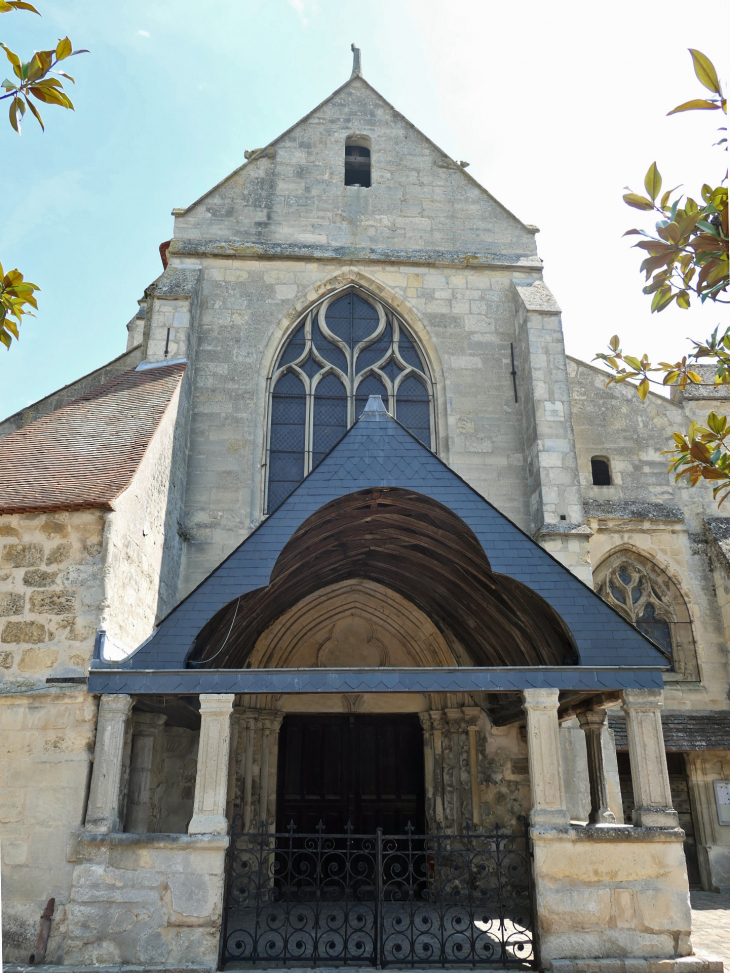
(86, 453)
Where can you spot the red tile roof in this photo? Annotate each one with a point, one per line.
(86, 453)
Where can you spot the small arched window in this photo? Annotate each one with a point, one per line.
(649, 599)
(600, 471)
(357, 161)
(345, 349)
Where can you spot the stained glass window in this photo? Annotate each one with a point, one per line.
(628, 588)
(346, 348)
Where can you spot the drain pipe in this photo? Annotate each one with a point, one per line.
(45, 931)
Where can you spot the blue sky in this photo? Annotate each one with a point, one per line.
(556, 106)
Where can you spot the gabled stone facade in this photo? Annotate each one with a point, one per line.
(514, 417)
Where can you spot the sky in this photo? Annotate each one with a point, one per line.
(556, 106)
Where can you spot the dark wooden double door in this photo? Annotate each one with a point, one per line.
(366, 770)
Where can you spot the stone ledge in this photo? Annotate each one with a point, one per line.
(682, 964)
(632, 510)
(115, 968)
(607, 832)
(173, 842)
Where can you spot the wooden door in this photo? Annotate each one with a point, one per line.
(367, 770)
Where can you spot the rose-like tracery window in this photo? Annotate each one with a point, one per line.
(629, 589)
(345, 349)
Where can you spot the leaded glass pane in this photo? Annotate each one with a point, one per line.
(330, 416)
(286, 447)
(369, 386)
(413, 409)
(408, 352)
(294, 348)
(377, 350)
(657, 629)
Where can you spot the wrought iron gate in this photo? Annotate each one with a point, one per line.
(406, 900)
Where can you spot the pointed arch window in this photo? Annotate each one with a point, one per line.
(346, 348)
(649, 599)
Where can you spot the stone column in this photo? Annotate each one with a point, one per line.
(472, 716)
(270, 725)
(545, 758)
(438, 721)
(593, 723)
(250, 722)
(649, 776)
(211, 782)
(428, 770)
(144, 773)
(104, 811)
(452, 770)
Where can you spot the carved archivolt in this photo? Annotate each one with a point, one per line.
(352, 623)
(650, 600)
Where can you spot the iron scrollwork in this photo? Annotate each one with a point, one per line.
(406, 900)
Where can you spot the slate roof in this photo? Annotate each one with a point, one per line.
(682, 731)
(86, 453)
(378, 452)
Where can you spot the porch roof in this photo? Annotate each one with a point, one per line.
(378, 452)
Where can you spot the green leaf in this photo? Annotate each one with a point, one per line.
(643, 389)
(36, 113)
(697, 104)
(614, 343)
(652, 182)
(705, 71)
(683, 299)
(638, 202)
(12, 57)
(672, 232)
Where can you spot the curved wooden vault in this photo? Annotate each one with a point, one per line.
(416, 547)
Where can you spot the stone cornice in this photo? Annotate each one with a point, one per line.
(315, 251)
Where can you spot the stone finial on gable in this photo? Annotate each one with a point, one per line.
(356, 62)
(538, 298)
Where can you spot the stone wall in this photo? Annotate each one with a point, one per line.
(51, 594)
(46, 743)
(142, 538)
(146, 899)
(611, 892)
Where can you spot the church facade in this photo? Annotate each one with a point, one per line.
(346, 557)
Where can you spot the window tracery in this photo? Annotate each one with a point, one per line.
(346, 348)
(650, 600)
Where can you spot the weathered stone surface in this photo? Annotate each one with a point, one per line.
(21, 555)
(58, 553)
(29, 632)
(59, 602)
(37, 578)
(12, 603)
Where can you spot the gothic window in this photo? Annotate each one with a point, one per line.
(650, 600)
(345, 349)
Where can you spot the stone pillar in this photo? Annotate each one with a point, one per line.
(593, 723)
(472, 718)
(428, 771)
(545, 758)
(144, 773)
(250, 722)
(104, 811)
(452, 771)
(211, 782)
(438, 721)
(649, 777)
(270, 726)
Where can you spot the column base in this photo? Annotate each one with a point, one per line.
(655, 817)
(208, 824)
(544, 818)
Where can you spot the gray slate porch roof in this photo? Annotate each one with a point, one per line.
(378, 452)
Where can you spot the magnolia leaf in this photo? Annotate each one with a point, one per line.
(638, 202)
(37, 114)
(697, 104)
(672, 232)
(652, 181)
(643, 389)
(64, 49)
(633, 362)
(635, 233)
(705, 71)
(694, 377)
(12, 57)
(671, 377)
(614, 343)
(683, 299)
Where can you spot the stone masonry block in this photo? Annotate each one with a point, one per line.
(12, 603)
(58, 602)
(32, 632)
(21, 555)
(37, 578)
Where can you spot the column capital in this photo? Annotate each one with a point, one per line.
(148, 722)
(593, 720)
(216, 702)
(119, 703)
(642, 699)
(426, 721)
(546, 699)
(438, 719)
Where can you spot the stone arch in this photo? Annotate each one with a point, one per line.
(357, 622)
(634, 584)
(327, 287)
